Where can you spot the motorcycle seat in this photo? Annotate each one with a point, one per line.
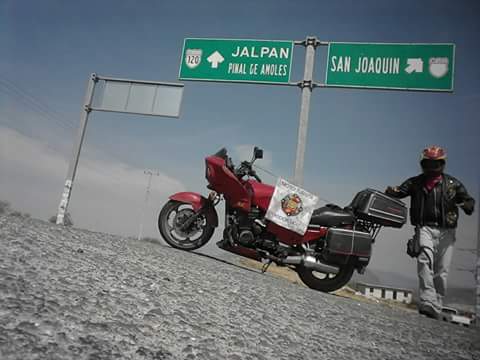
(331, 215)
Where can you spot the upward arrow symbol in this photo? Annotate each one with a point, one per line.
(215, 59)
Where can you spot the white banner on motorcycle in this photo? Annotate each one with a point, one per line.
(291, 207)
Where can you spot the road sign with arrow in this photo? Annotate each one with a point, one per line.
(257, 61)
(391, 66)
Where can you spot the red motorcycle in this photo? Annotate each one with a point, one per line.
(337, 242)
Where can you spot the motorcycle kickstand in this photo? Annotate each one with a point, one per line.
(266, 265)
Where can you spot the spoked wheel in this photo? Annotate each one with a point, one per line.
(325, 282)
(173, 215)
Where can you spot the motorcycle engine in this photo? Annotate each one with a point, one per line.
(248, 232)
(246, 238)
(246, 221)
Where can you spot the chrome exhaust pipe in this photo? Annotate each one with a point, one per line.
(310, 262)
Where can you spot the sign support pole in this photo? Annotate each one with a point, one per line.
(150, 173)
(307, 86)
(477, 273)
(72, 167)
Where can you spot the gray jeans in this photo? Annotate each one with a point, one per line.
(433, 263)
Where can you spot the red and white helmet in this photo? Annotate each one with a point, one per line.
(434, 153)
(433, 160)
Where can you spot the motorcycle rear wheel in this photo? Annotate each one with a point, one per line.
(197, 235)
(327, 283)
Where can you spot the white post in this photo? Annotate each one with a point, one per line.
(477, 270)
(150, 173)
(72, 167)
(307, 85)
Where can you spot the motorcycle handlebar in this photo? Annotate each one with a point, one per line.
(245, 168)
(257, 178)
(253, 173)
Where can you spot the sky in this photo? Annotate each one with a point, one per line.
(357, 138)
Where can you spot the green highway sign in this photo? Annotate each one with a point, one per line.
(232, 60)
(427, 67)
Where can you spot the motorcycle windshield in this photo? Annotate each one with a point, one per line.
(222, 153)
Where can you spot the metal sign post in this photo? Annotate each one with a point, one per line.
(477, 271)
(150, 173)
(72, 167)
(255, 62)
(125, 96)
(307, 86)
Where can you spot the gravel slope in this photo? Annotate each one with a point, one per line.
(75, 294)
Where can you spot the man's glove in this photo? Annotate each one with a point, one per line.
(468, 207)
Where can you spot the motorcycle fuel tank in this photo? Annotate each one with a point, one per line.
(261, 194)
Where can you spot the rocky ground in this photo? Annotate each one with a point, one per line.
(74, 294)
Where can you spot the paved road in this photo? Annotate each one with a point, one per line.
(75, 294)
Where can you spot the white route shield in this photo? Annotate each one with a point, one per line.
(291, 207)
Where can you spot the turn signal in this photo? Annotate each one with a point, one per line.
(212, 196)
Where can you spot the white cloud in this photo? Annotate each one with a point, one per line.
(107, 195)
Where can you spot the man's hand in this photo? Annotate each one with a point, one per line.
(467, 206)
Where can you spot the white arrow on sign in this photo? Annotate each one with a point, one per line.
(215, 59)
(414, 65)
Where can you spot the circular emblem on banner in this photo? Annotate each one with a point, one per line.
(292, 205)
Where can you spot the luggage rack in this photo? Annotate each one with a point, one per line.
(374, 206)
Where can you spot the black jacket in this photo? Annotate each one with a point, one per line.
(437, 206)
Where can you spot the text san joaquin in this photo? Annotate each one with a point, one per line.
(366, 65)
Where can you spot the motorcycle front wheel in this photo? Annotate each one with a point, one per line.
(325, 282)
(172, 216)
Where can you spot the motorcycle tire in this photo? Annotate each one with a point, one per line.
(167, 231)
(327, 284)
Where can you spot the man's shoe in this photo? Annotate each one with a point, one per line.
(429, 311)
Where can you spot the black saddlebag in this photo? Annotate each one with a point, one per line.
(379, 208)
(349, 242)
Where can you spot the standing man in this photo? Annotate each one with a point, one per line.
(434, 213)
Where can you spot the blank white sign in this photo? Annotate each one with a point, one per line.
(139, 98)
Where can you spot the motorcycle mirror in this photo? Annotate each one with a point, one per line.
(257, 153)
